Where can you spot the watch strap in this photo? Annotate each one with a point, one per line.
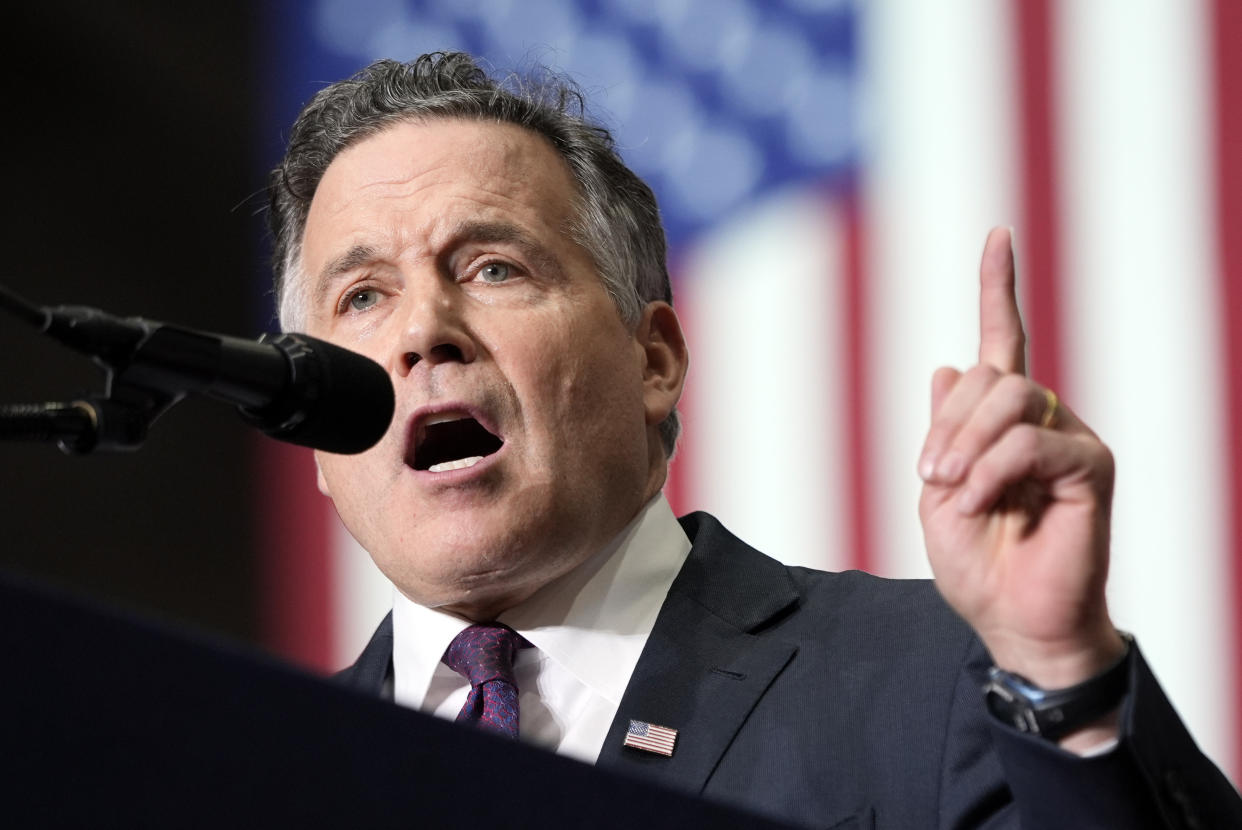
(1053, 713)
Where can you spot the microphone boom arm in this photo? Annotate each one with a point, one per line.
(117, 420)
(83, 426)
(292, 387)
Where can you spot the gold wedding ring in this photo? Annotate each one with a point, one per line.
(1051, 404)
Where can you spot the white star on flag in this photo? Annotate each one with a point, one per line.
(651, 738)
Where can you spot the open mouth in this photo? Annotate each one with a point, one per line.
(453, 442)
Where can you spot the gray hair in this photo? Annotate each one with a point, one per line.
(617, 220)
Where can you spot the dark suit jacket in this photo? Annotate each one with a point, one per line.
(845, 700)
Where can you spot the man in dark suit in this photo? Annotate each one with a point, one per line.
(489, 248)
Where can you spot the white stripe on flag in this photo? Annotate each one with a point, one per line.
(1143, 352)
(361, 596)
(940, 170)
(765, 349)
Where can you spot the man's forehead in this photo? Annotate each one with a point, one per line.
(429, 151)
(489, 170)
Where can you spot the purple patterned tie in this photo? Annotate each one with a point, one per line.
(483, 654)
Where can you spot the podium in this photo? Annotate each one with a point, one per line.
(109, 721)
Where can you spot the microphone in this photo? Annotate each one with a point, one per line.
(293, 387)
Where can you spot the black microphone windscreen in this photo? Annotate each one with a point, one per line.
(339, 401)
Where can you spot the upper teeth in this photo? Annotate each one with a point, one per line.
(459, 464)
(444, 418)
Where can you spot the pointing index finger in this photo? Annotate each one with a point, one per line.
(1002, 342)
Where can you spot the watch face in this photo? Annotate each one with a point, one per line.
(1007, 705)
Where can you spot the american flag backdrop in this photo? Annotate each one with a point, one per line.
(828, 170)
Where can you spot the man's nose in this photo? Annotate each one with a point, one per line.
(432, 329)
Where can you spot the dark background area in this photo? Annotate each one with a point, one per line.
(131, 185)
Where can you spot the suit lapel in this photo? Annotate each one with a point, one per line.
(372, 670)
(703, 668)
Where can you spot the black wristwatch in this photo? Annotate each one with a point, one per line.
(1052, 713)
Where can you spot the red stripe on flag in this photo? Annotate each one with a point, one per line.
(857, 512)
(681, 490)
(295, 533)
(1039, 241)
(1226, 27)
(679, 487)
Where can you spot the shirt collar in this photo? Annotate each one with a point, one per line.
(594, 621)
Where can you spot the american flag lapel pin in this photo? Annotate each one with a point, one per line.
(651, 738)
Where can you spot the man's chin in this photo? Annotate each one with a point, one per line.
(485, 599)
(477, 582)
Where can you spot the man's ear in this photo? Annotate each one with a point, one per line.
(323, 482)
(666, 360)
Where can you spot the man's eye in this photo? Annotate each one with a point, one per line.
(494, 272)
(362, 299)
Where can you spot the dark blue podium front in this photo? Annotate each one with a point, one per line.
(107, 721)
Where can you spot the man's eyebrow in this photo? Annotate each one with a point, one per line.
(343, 264)
(470, 231)
(505, 232)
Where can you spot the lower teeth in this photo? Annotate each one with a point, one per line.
(459, 464)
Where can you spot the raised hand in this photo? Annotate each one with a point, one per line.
(1015, 503)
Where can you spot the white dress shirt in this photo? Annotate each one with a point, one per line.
(588, 629)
